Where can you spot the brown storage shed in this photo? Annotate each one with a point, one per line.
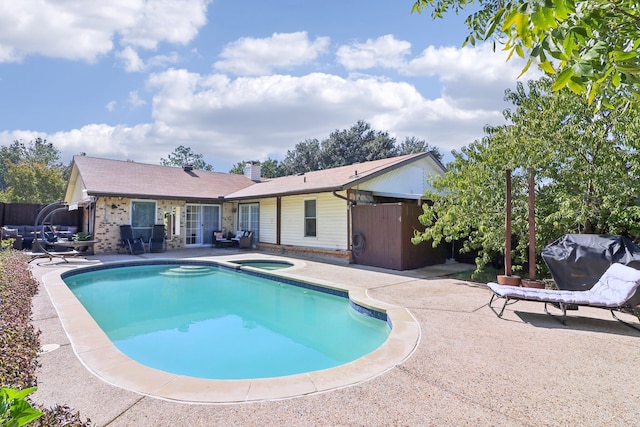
(382, 237)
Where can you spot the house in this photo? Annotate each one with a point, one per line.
(115, 192)
(350, 212)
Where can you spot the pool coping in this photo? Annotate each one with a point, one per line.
(98, 354)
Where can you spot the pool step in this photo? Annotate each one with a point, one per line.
(189, 270)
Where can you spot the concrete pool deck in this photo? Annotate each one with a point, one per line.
(469, 367)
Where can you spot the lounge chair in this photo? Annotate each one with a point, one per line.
(614, 291)
(157, 242)
(135, 246)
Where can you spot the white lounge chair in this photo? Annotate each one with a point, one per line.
(613, 291)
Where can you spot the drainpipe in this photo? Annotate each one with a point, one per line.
(350, 202)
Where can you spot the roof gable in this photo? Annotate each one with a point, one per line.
(102, 177)
(334, 179)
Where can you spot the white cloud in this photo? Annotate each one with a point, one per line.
(130, 59)
(87, 29)
(229, 119)
(252, 56)
(135, 100)
(111, 105)
(385, 51)
(480, 63)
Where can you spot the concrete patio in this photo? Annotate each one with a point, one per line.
(469, 368)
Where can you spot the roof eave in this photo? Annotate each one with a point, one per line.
(155, 196)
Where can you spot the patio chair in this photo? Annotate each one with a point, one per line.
(243, 239)
(158, 241)
(614, 291)
(135, 246)
(219, 241)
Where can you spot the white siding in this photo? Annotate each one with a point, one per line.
(268, 221)
(331, 222)
(408, 180)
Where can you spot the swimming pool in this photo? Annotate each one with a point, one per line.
(218, 323)
(100, 356)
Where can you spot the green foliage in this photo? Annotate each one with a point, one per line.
(31, 173)
(412, 145)
(586, 167)
(81, 236)
(237, 169)
(590, 47)
(32, 183)
(304, 157)
(15, 411)
(360, 143)
(182, 156)
(270, 168)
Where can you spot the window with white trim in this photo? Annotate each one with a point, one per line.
(310, 218)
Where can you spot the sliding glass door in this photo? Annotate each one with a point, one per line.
(201, 222)
(249, 219)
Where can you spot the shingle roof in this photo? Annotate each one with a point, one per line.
(333, 179)
(125, 178)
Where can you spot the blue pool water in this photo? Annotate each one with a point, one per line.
(210, 322)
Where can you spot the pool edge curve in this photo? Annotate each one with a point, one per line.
(98, 354)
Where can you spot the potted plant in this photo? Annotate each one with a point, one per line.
(82, 236)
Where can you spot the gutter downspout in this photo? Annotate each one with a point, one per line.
(350, 203)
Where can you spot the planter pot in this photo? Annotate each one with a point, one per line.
(533, 284)
(509, 280)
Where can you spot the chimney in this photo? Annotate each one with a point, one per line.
(187, 167)
(252, 170)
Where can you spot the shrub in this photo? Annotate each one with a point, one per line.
(19, 341)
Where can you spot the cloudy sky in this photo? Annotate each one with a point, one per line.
(134, 79)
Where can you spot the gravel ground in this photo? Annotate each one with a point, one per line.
(469, 368)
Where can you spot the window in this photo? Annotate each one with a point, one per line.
(143, 217)
(310, 218)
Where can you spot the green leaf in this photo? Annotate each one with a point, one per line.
(524, 70)
(618, 55)
(576, 85)
(562, 79)
(582, 69)
(615, 79)
(23, 413)
(628, 69)
(561, 10)
(493, 23)
(547, 67)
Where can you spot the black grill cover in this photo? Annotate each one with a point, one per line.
(577, 261)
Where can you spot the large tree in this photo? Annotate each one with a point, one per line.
(588, 46)
(586, 167)
(31, 173)
(182, 156)
(304, 157)
(360, 143)
(33, 183)
(37, 151)
(412, 145)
